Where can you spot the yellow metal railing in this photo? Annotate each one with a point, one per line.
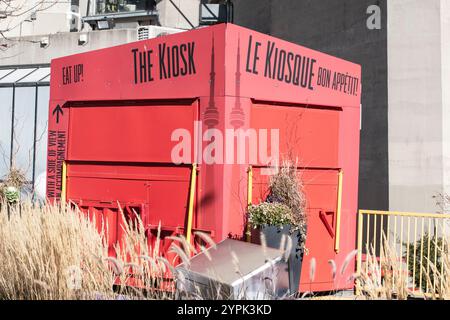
(192, 188)
(414, 240)
(338, 212)
(64, 183)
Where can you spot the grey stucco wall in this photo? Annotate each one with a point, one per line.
(338, 27)
(445, 38)
(28, 49)
(418, 103)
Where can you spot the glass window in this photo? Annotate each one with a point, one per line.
(36, 75)
(4, 72)
(46, 79)
(5, 129)
(23, 124)
(114, 6)
(24, 129)
(17, 75)
(42, 130)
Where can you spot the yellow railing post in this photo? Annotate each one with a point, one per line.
(359, 254)
(421, 257)
(191, 202)
(338, 212)
(414, 254)
(248, 232)
(64, 184)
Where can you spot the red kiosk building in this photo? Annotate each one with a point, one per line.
(120, 116)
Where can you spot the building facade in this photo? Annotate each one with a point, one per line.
(402, 45)
(35, 32)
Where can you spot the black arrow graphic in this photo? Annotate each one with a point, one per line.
(58, 110)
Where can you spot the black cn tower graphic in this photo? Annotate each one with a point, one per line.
(237, 116)
(211, 112)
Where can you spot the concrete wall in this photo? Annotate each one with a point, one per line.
(338, 27)
(51, 17)
(170, 17)
(29, 51)
(48, 24)
(419, 136)
(445, 69)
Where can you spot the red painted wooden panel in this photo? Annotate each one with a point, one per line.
(307, 134)
(127, 133)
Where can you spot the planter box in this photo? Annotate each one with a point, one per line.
(273, 235)
(262, 273)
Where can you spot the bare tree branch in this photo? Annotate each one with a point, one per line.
(11, 10)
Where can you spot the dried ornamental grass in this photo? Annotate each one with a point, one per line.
(15, 178)
(389, 280)
(285, 187)
(48, 253)
(14, 181)
(57, 253)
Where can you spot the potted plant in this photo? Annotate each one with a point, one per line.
(11, 195)
(10, 189)
(283, 215)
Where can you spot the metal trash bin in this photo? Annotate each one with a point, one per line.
(234, 270)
